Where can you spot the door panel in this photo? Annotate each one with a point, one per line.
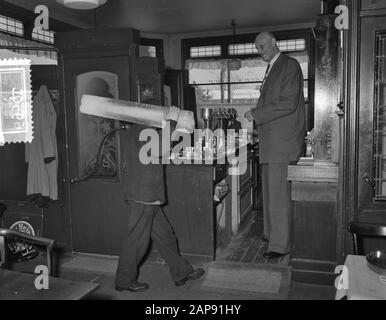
(365, 191)
(98, 215)
(91, 129)
(371, 207)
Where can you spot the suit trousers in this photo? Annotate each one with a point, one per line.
(147, 222)
(276, 192)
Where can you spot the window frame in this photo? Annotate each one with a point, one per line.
(38, 32)
(14, 34)
(226, 40)
(157, 43)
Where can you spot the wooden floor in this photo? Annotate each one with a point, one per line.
(22, 286)
(101, 271)
(247, 246)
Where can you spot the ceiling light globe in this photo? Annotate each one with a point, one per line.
(82, 4)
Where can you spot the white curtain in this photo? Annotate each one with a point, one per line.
(257, 62)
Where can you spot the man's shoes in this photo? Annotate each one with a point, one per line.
(134, 286)
(273, 254)
(195, 274)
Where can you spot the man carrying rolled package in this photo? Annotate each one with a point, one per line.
(144, 188)
(144, 191)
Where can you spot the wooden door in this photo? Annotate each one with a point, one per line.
(372, 121)
(97, 209)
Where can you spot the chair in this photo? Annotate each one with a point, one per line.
(363, 229)
(6, 234)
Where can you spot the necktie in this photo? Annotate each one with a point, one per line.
(265, 76)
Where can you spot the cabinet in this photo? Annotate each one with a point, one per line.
(314, 231)
(201, 224)
(98, 62)
(147, 80)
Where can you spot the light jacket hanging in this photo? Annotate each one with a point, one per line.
(41, 154)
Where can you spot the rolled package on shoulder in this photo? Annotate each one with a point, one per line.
(135, 112)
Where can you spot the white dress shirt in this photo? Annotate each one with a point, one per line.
(271, 63)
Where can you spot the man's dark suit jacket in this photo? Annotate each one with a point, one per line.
(280, 113)
(142, 182)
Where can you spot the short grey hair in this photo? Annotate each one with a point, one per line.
(265, 34)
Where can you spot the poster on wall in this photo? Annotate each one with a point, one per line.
(16, 123)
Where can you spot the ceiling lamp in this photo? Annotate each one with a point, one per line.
(82, 4)
(234, 64)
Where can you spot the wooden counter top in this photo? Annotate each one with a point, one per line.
(316, 172)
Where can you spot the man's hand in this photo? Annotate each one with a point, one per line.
(249, 116)
(172, 113)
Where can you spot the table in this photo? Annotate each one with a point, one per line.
(363, 283)
(16, 285)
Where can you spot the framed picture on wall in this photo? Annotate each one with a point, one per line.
(150, 88)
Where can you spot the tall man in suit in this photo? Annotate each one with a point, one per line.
(279, 116)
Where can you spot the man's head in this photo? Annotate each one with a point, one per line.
(266, 45)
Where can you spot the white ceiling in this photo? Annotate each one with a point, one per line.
(186, 16)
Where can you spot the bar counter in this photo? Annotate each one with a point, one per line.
(202, 223)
